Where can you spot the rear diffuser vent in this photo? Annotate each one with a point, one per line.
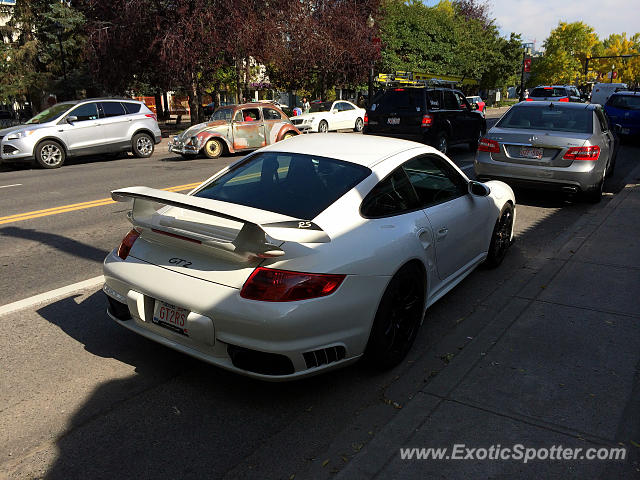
(324, 356)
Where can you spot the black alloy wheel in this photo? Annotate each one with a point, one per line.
(501, 237)
(398, 318)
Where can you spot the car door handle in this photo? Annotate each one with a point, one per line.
(442, 232)
(424, 237)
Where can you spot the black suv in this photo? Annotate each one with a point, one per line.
(436, 116)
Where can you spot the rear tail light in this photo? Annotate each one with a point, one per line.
(398, 89)
(152, 115)
(487, 145)
(563, 99)
(271, 285)
(366, 119)
(427, 120)
(126, 244)
(583, 153)
(529, 99)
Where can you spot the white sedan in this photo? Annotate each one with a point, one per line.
(305, 255)
(328, 116)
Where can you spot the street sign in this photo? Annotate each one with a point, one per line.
(527, 64)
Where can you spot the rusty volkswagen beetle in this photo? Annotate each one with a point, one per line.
(234, 128)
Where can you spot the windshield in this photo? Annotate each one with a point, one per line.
(293, 184)
(558, 117)
(321, 107)
(50, 113)
(222, 114)
(548, 92)
(625, 102)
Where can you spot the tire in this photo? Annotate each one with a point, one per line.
(612, 165)
(359, 125)
(442, 143)
(50, 154)
(142, 145)
(288, 135)
(398, 319)
(501, 237)
(473, 145)
(595, 195)
(323, 127)
(213, 148)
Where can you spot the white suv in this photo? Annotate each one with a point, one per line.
(82, 127)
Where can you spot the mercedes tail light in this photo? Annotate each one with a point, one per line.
(563, 99)
(529, 99)
(366, 119)
(583, 153)
(126, 244)
(427, 120)
(271, 285)
(487, 145)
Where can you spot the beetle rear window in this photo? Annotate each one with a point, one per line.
(293, 184)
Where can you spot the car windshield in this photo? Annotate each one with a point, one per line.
(321, 107)
(293, 184)
(550, 92)
(50, 113)
(544, 117)
(399, 100)
(625, 102)
(222, 114)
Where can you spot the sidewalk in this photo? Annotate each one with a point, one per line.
(558, 365)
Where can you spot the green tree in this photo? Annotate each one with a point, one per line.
(628, 69)
(566, 49)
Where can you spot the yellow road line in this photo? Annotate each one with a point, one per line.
(19, 217)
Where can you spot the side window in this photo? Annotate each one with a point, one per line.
(604, 125)
(250, 115)
(435, 99)
(346, 107)
(450, 101)
(392, 196)
(112, 109)
(271, 114)
(131, 107)
(462, 102)
(88, 111)
(434, 180)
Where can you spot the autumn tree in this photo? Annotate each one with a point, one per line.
(627, 68)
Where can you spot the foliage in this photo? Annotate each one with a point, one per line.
(628, 69)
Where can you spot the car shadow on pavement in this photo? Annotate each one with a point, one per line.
(59, 242)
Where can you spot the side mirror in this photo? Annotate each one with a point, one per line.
(71, 119)
(478, 189)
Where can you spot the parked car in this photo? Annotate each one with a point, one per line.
(555, 93)
(437, 116)
(327, 116)
(623, 109)
(234, 128)
(478, 102)
(305, 255)
(602, 91)
(550, 145)
(82, 127)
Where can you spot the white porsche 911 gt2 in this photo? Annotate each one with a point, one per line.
(305, 255)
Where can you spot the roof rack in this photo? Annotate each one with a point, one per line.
(414, 79)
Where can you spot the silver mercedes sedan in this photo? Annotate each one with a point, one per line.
(567, 147)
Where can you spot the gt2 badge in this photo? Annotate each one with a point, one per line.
(181, 262)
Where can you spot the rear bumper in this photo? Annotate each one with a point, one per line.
(423, 136)
(221, 323)
(581, 175)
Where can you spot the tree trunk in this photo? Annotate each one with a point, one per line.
(238, 82)
(193, 101)
(165, 110)
(247, 78)
(158, 97)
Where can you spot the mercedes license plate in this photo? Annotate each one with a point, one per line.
(531, 152)
(171, 317)
(393, 121)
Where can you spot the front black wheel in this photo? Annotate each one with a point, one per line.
(398, 318)
(501, 237)
(442, 143)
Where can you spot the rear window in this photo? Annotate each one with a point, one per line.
(625, 102)
(131, 107)
(548, 92)
(400, 100)
(297, 185)
(559, 117)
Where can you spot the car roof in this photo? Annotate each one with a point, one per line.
(366, 150)
(625, 92)
(570, 105)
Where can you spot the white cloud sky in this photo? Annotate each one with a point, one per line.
(534, 19)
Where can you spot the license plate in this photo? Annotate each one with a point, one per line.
(531, 152)
(171, 317)
(393, 121)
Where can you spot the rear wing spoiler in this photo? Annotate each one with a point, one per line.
(254, 239)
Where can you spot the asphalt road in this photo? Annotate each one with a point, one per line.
(82, 397)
